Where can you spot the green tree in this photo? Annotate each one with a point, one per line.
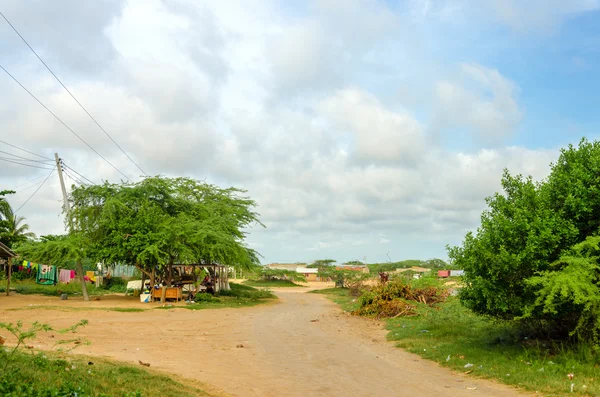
(13, 229)
(319, 263)
(57, 250)
(160, 221)
(518, 237)
(534, 257)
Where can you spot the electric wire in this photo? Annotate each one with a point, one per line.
(62, 122)
(71, 169)
(27, 188)
(71, 94)
(74, 179)
(36, 190)
(27, 183)
(26, 151)
(23, 164)
(21, 158)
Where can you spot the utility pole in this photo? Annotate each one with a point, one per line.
(62, 184)
(67, 208)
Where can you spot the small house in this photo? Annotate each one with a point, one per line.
(444, 273)
(310, 274)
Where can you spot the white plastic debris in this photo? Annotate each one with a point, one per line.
(468, 365)
(448, 358)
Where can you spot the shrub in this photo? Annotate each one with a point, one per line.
(530, 260)
(204, 297)
(398, 298)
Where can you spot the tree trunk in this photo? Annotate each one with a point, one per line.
(84, 290)
(153, 278)
(170, 275)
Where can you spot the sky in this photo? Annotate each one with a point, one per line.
(364, 129)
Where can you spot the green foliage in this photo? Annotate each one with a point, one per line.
(271, 283)
(569, 294)
(247, 292)
(204, 297)
(13, 229)
(321, 263)
(268, 274)
(344, 278)
(50, 375)
(525, 263)
(164, 220)
(22, 335)
(29, 287)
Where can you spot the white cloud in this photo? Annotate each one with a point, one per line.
(301, 110)
(539, 16)
(481, 100)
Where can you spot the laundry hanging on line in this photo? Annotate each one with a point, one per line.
(47, 275)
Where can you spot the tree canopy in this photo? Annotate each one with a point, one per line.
(527, 261)
(13, 229)
(164, 220)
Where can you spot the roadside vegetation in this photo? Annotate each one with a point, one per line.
(266, 277)
(25, 372)
(238, 296)
(445, 331)
(28, 286)
(271, 283)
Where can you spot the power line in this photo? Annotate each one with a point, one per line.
(62, 122)
(27, 183)
(27, 151)
(24, 158)
(36, 190)
(74, 179)
(27, 188)
(72, 96)
(26, 165)
(71, 169)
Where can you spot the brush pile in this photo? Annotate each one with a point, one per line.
(398, 298)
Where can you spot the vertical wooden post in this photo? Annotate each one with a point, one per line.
(9, 264)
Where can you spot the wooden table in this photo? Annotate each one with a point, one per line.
(172, 293)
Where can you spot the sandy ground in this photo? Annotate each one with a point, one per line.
(301, 346)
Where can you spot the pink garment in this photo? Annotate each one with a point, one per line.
(72, 274)
(64, 276)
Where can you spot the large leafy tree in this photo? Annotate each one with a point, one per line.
(525, 254)
(160, 221)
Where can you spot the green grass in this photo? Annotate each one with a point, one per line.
(454, 337)
(29, 287)
(271, 283)
(47, 374)
(341, 296)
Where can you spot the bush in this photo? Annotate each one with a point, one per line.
(398, 298)
(525, 262)
(244, 291)
(204, 297)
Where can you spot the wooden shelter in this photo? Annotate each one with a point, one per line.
(6, 255)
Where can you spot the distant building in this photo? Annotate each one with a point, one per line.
(284, 266)
(310, 274)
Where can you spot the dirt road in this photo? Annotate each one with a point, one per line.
(285, 351)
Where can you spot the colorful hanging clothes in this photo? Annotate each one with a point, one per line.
(47, 275)
(64, 276)
(91, 276)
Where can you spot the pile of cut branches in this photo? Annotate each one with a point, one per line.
(398, 298)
